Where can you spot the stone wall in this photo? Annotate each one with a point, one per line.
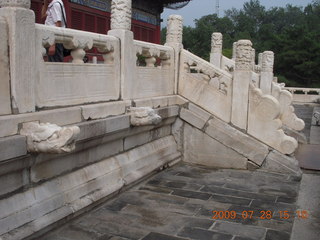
(110, 153)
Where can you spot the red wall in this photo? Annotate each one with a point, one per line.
(93, 20)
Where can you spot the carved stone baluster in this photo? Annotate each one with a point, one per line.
(108, 58)
(165, 60)
(150, 61)
(78, 55)
(216, 49)
(241, 81)
(266, 72)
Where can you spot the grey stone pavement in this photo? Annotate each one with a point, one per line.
(178, 203)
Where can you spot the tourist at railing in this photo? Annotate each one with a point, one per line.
(54, 12)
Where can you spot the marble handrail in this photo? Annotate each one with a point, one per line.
(294, 90)
(151, 51)
(78, 41)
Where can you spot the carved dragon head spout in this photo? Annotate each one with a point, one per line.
(49, 138)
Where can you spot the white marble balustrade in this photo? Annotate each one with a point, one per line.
(63, 84)
(156, 78)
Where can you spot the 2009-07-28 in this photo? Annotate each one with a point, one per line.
(262, 214)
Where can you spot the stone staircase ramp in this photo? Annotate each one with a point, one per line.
(207, 140)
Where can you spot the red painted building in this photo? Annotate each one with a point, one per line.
(94, 16)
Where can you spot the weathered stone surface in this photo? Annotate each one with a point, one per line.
(193, 118)
(278, 162)
(100, 127)
(155, 102)
(104, 110)
(199, 112)
(140, 116)
(213, 86)
(50, 168)
(216, 49)
(267, 61)
(60, 117)
(121, 14)
(238, 141)
(177, 132)
(264, 122)
(145, 137)
(315, 135)
(13, 181)
(22, 43)
(58, 89)
(171, 111)
(5, 102)
(177, 100)
(287, 114)
(53, 200)
(199, 148)
(12, 147)
(308, 201)
(241, 80)
(145, 159)
(49, 138)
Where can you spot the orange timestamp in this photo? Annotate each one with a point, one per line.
(262, 214)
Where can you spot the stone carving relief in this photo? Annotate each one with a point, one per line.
(15, 3)
(264, 122)
(174, 29)
(287, 115)
(267, 61)
(141, 116)
(216, 42)
(207, 71)
(49, 138)
(151, 52)
(121, 14)
(244, 55)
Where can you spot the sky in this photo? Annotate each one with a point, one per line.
(198, 8)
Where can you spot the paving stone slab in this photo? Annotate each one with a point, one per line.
(249, 231)
(169, 206)
(201, 234)
(159, 236)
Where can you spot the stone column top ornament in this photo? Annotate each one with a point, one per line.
(174, 29)
(267, 61)
(121, 11)
(16, 3)
(244, 55)
(216, 42)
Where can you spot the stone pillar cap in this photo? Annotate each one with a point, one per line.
(15, 3)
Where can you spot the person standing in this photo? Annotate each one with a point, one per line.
(55, 14)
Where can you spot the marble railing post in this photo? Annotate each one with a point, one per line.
(174, 40)
(266, 78)
(5, 101)
(21, 39)
(216, 49)
(121, 11)
(241, 81)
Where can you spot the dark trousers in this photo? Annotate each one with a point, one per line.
(58, 56)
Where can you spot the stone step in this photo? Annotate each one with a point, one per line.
(308, 156)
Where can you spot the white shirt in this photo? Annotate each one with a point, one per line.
(54, 13)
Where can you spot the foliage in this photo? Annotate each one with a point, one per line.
(291, 32)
